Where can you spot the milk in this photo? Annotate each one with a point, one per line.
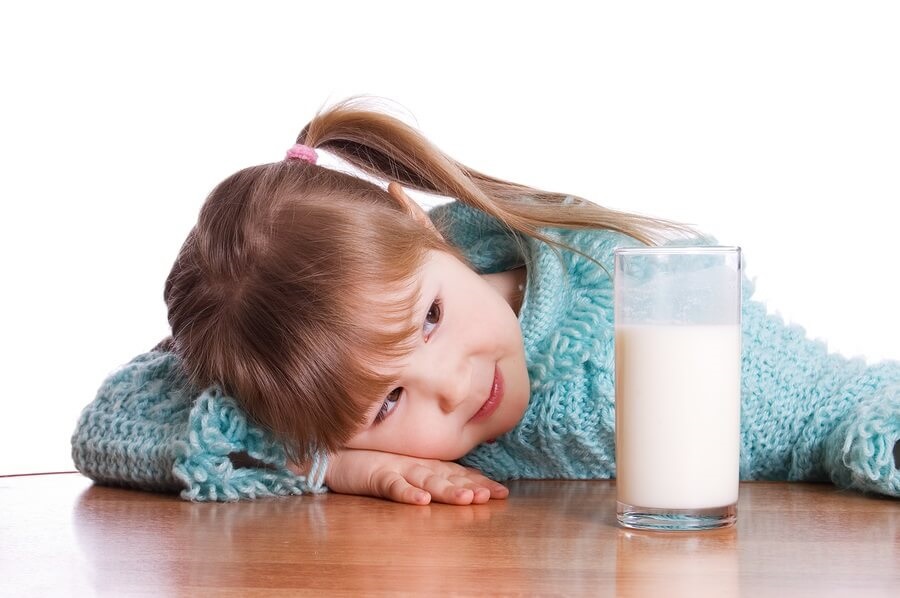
(678, 415)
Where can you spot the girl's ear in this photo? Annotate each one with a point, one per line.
(411, 207)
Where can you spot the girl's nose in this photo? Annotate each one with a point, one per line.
(453, 387)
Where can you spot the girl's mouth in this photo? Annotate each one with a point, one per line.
(494, 398)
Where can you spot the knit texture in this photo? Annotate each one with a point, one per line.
(147, 428)
(806, 414)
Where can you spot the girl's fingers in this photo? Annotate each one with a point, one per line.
(445, 491)
(481, 493)
(497, 489)
(439, 485)
(482, 487)
(451, 484)
(474, 476)
(450, 488)
(393, 486)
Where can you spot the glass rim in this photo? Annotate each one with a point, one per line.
(679, 249)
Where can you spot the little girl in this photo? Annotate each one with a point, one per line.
(327, 332)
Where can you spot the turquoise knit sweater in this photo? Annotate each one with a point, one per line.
(148, 428)
(806, 414)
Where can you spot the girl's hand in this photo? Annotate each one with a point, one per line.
(408, 479)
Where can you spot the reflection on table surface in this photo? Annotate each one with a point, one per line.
(63, 535)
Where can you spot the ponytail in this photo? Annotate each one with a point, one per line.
(388, 149)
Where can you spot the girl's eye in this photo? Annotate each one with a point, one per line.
(433, 318)
(390, 403)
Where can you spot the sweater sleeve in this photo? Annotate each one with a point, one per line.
(808, 414)
(147, 428)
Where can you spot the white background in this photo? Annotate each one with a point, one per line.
(772, 125)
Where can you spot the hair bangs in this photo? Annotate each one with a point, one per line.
(297, 292)
(386, 331)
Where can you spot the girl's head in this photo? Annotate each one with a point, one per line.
(291, 290)
(302, 289)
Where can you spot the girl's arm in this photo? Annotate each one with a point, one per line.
(407, 479)
(811, 415)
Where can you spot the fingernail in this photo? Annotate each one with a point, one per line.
(421, 497)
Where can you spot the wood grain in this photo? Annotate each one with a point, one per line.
(62, 535)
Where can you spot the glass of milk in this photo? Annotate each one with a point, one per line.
(678, 386)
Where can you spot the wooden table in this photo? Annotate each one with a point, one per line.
(60, 535)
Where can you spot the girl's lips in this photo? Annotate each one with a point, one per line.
(493, 400)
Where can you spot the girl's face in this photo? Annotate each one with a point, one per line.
(446, 398)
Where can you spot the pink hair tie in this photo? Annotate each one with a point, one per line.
(302, 152)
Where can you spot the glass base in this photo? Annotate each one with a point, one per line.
(675, 519)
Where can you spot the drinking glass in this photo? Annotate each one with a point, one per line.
(678, 386)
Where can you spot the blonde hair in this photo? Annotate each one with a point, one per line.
(278, 292)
